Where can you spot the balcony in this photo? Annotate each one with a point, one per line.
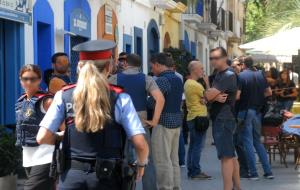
(192, 18)
(217, 34)
(207, 26)
(229, 34)
(170, 5)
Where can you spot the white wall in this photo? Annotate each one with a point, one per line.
(137, 14)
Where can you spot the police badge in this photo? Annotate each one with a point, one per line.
(28, 112)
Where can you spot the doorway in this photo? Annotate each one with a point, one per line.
(11, 60)
(75, 40)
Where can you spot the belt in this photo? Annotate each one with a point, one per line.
(88, 166)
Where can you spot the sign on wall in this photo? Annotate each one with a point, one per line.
(16, 10)
(79, 23)
(108, 20)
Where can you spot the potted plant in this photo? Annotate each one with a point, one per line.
(9, 159)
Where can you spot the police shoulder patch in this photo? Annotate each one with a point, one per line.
(67, 87)
(116, 89)
(22, 97)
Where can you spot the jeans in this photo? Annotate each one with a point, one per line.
(240, 150)
(197, 142)
(181, 151)
(251, 134)
(223, 131)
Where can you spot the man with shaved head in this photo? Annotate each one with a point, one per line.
(197, 119)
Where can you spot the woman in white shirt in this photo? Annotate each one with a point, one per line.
(30, 110)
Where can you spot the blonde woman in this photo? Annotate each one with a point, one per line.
(96, 115)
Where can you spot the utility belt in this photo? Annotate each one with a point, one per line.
(106, 169)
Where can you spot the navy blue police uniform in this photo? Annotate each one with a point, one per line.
(83, 150)
(28, 118)
(29, 114)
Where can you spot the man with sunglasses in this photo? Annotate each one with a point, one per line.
(222, 97)
(122, 62)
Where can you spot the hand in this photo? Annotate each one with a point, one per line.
(140, 173)
(203, 101)
(288, 114)
(206, 80)
(151, 123)
(60, 135)
(221, 98)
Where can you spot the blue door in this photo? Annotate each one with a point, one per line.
(128, 48)
(2, 107)
(75, 40)
(11, 60)
(44, 47)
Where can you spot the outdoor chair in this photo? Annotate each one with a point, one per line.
(272, 141)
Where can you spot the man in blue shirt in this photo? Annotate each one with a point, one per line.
(165, 136)
(253, 88)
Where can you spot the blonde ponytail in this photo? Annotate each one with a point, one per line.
(91, 99)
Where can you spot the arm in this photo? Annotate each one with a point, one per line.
(52, 121)
(206, 80)
(238, 95)
(164, 87)
(56, 85)
(268, 92)
(159, 105)
(211, 94)
(142, 151)
(126, 115)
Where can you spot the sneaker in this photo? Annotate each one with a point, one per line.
(244, 176)
(269, 176)
(201, 176)
(253, 177)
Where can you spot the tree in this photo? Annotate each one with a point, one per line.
(181, 58)
(266, 17)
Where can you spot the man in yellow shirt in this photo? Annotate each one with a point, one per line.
(197, 111)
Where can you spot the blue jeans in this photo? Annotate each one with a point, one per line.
(197, 142)
(181, 151)
(251, 134)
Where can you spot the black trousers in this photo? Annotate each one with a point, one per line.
(73, 179)
(38, 178)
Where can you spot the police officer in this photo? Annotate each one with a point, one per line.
(96, 115)
(30, 110)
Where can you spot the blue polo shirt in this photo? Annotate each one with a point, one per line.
(252, 85)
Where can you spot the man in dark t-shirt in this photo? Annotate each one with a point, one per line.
(222, 96)
(253, 88)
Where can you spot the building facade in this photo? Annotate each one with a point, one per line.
(32, 30)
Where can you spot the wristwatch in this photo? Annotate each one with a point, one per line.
(142, 164)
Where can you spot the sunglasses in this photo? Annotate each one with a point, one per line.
(31, 79)
(215, 58)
